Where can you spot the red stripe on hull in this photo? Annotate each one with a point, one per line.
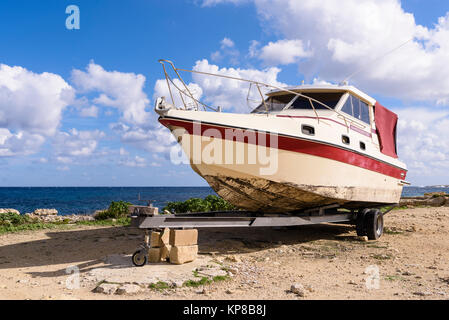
(298, 145)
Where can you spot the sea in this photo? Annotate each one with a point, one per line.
(86, 200)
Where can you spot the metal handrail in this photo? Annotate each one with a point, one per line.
(257, 83)
(181, 92)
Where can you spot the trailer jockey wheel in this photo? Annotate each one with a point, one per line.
(139, 258)
(360, 224)
(374, 224)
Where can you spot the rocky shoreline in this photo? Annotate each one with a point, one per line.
(432, 199)
(50, 216)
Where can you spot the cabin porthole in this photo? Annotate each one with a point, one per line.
(345, 139)
(362, 145)
(309, 130)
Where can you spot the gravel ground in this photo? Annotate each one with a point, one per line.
(410, 261)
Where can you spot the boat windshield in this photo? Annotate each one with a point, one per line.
(273, 104)
(280, 102)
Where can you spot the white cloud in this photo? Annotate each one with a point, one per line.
(349, 35)
(91, 112)
(76, 144)
(20, 143)
(64, 159)
(227, 43)
(227, 50)
(31, 108)
(253, 49)
(319, 81)
(161, 90)
(137, 162)
(32, 102)
(134, 162)
(231, 94)
(123, 152)
(158, 139)
(421, 143)
(283, 52)
(209, 3)
(216, 56)
(123, 91)
(120, 90)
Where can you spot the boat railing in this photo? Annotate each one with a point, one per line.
(190, 102)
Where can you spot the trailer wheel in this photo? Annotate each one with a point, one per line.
(139, 258)
(374, 224)
(360, 224)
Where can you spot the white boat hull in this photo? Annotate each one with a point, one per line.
(300, 181)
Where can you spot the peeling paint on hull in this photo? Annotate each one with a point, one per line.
(264, 195)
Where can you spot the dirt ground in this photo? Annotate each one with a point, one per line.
(410, 261)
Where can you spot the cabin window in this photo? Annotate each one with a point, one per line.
(362, 145)
(330, 99)
(364, 112)
(273, 104)
(345, 139)
(356, 108)
(279, 102)
(309, 130)
(347, 107)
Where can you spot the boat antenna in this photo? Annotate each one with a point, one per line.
(345, 81)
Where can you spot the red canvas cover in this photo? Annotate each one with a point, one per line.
(386, 122)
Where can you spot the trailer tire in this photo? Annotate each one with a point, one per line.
(360, 224)
(139, 258)
(374, 224)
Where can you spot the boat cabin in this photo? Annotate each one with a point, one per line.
(358, 110)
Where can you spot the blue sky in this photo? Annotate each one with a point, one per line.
(129, 37)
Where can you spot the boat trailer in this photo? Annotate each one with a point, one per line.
(368, 221)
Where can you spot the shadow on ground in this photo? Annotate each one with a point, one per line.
(87, 248)
(226, 241)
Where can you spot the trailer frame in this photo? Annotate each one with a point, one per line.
(228, 219)
(368, 221)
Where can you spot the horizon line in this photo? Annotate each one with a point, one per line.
(104, 186)
(196, 186)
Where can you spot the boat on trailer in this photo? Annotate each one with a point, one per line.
(305, 155)
(302, 147)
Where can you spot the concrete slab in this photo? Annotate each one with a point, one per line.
(119, 269)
